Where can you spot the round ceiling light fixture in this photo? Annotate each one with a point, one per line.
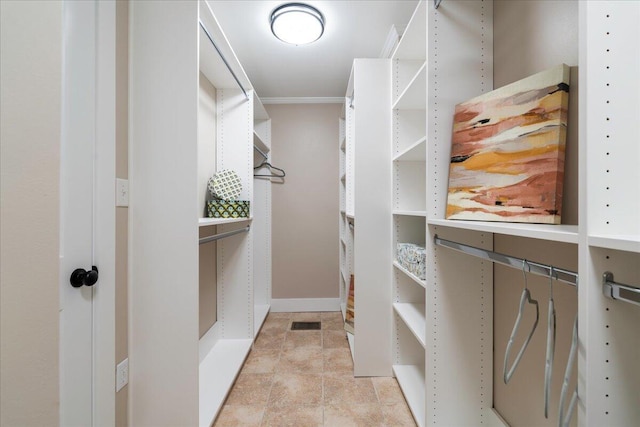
(297, 23)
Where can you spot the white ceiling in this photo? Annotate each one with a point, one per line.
(353, 29)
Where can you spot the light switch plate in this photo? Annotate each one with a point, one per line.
(122, 192)
(122, 374)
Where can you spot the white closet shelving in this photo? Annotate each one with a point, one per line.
(365, 164)
(408, 162)
(261, 223)
(172, 155)
(460, 334)
(443, 331)
(610, 202)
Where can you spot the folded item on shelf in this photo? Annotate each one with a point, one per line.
(413, 258)
(225, 185)
(223, 209)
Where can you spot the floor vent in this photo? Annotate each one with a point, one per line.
(305, 326)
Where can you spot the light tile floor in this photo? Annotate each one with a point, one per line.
(305, 378)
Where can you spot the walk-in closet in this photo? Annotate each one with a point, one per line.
(390, 213)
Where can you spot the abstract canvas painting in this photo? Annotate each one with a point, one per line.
(507, 154)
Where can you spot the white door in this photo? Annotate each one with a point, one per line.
(87, 228)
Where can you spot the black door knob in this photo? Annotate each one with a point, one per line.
(80, 277)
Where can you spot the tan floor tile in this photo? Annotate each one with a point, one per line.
(313, 316)
(276, 325)
(296, 390)
(262, 361)
(363, 415)
(234, 416)
(333, 322)
(334, 339)
(388, 390)
(301, 339)
(275, 315)
(250, 389)
(398, 415)
(340, 389)
(338, 360)
(301, 360)
(293, 416)
(270, 339)
(331, 315)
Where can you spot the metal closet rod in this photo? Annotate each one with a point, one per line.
(618, 291)
(224, 59)
(261, 152)
(223, 235)
(559, 274)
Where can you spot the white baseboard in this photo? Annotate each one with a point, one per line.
(304, 304)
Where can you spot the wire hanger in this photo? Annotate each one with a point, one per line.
(551, 345)
(525, 298)
(565, 420)
(280, 173)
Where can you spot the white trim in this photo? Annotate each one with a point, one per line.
(104, 383)
(208, 341)
(304, 304)
(304, 100)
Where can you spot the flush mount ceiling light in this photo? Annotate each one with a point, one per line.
(297, 23)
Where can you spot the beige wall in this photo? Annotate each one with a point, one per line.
(305, 207)
(30, 76)
(122, 213)
(516, 55)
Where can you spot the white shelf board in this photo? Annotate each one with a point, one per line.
(260, 312)
(411, 380)
(555, 233)
(414, 97)
(413, 316)
(351, 215)
(351, 341)
(259, 112)
(218, 371)
(492, 418)
(409, 213)
(259, 142)
(629, 243)
(416, 152)
(344, 277)
(413, 43)
(412, 276)
(204, 222)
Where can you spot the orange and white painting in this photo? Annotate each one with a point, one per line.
(507, 154)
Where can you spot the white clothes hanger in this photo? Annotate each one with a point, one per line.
(565, 420)
(524, 298)
(551, 346)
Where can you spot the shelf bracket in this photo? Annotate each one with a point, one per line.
(436, 3)
(618, 291)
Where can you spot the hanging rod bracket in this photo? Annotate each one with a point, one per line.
(618, 291)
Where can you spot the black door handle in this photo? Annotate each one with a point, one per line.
(80, 277)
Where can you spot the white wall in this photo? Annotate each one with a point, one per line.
(30, 76)
(305, 207)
